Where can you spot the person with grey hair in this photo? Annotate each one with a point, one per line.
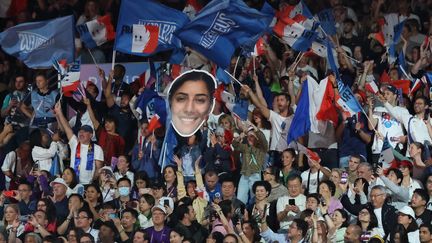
(385, 213)
(366, 171)
(32, 237)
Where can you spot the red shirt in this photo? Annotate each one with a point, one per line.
(112, 144)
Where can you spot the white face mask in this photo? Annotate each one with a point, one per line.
(123, 191)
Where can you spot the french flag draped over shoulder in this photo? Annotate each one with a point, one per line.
(97, 32)
(147, 27)
(71, 80)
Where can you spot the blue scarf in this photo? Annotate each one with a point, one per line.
(90, 159)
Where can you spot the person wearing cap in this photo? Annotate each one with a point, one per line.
(86, 157)
(59, 198)
(385, 124)
(406, 167)
(159, 232)
(253, 154)
(419, 125)
(419, 201)
(406, 217)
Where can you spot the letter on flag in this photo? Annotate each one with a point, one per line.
(147, 27)
(221, 27)
(38, 43)
(97, 32)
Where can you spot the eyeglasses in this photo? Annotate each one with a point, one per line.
(377, 195)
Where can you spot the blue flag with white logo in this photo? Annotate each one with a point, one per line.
(38, 43)
(327, 21)
(221, 27)
(147, 27)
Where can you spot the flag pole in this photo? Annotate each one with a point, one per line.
(113, 59)
(254, 67)
(231, 76)
(235, 66)
(93, 58)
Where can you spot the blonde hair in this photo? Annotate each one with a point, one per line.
(15, 208)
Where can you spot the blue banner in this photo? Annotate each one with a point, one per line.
(147, 27)
(221, 27)
(37, 44)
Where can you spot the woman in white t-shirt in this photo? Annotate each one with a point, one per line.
(69, 176)
(41, 153)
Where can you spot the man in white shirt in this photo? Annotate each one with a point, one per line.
(280, 120)
(385, 123)
(289, 207)
(86, 158)
(418, 127)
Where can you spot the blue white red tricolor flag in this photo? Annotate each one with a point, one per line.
(97, 32)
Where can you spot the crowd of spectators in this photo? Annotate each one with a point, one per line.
(232, 181)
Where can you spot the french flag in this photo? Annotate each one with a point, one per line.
(344, 107)
(299, 13)
(154, 123)
(372, 87)
(316, 104)
(259, 48)
(238, 107)
(416, 86)
(295, 35)
(97, 32)
(71, 81)
(60, 66)
(311, 155)
(392, 30)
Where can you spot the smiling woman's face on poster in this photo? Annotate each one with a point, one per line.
(191, 99)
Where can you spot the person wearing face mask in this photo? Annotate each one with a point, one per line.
(124, 198)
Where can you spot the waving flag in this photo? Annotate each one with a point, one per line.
(301, 122)
(402, 64)
(386, 157)
(316, 104)
(299, 13)
(259, 48)
(148, 27)
(192, 8)
(372, 87)
(222, 76)
(60, 66)
(38, 43)
(327, 21)
(150, 104)
(392, 30)
(311, 155)
(71, 81)
(239, 107)
(221, 27)
(295, 35)
(97, 32)
(416, 86)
